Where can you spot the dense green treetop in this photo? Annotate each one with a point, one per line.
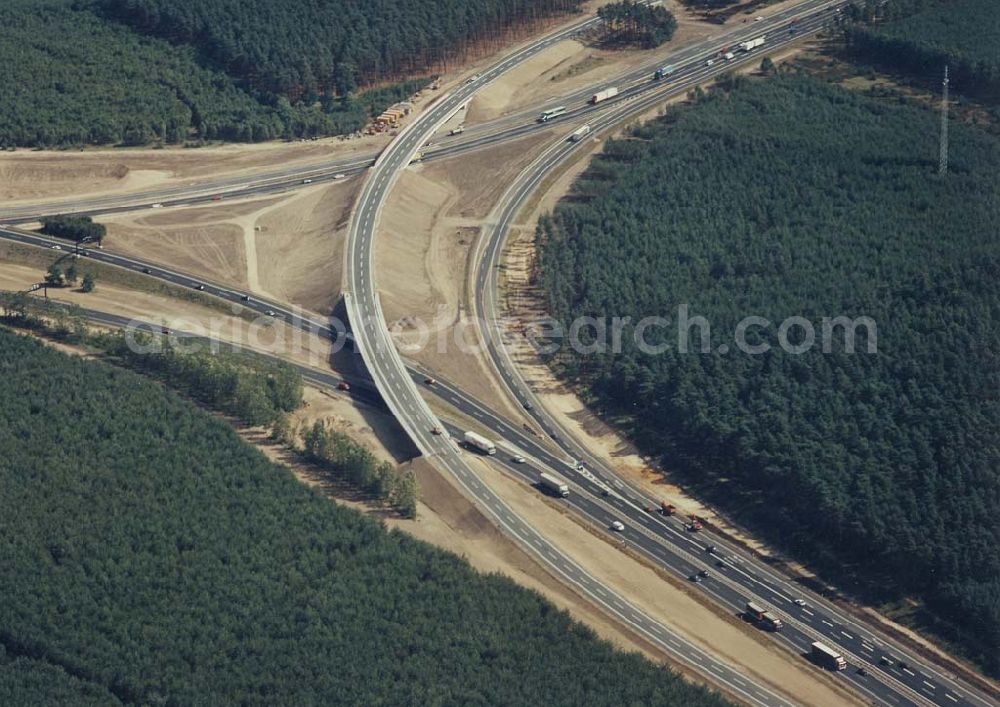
(296, 46)
(132, 72)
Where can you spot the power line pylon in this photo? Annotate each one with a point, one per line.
(943, 158)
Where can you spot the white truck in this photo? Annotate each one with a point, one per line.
(827, 657)
(580, 133)
(553, 484)
(728, 56)
(752, 44)
(604, 95)
(477, 441)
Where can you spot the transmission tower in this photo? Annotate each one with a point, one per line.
(943, 159)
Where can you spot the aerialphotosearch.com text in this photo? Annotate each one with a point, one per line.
(683, 333)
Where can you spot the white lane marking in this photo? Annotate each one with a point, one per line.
(806, 611)
(845, 633)
(828, 623)
(909, 672)
(951, 697)
(933, 687)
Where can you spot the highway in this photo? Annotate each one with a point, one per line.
(737, 578)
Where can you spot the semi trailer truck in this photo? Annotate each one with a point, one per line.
(477, 441)
(828, 657)
(763, 617)
(604, 95)
(663, 73)
(553, 484)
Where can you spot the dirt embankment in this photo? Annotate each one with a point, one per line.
(288, 248)
(427, 231)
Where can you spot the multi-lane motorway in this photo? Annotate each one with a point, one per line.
(737, 577)
(508, 127)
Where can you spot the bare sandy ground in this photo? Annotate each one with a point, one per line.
(287, 248)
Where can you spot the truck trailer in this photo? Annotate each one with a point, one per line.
(752, 44)
(477, 441)
(763, 617)
(580, 133)
(604, 95)
(828, 657)
(553, 484)
(663, 72)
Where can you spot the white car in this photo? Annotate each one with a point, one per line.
(57, 247)
(472, 79)
(617, 526)
(339, 176)
(800, 602)
(758, 18)
(518, 460)
(157, 206)
(709, 62)
(307, 181)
